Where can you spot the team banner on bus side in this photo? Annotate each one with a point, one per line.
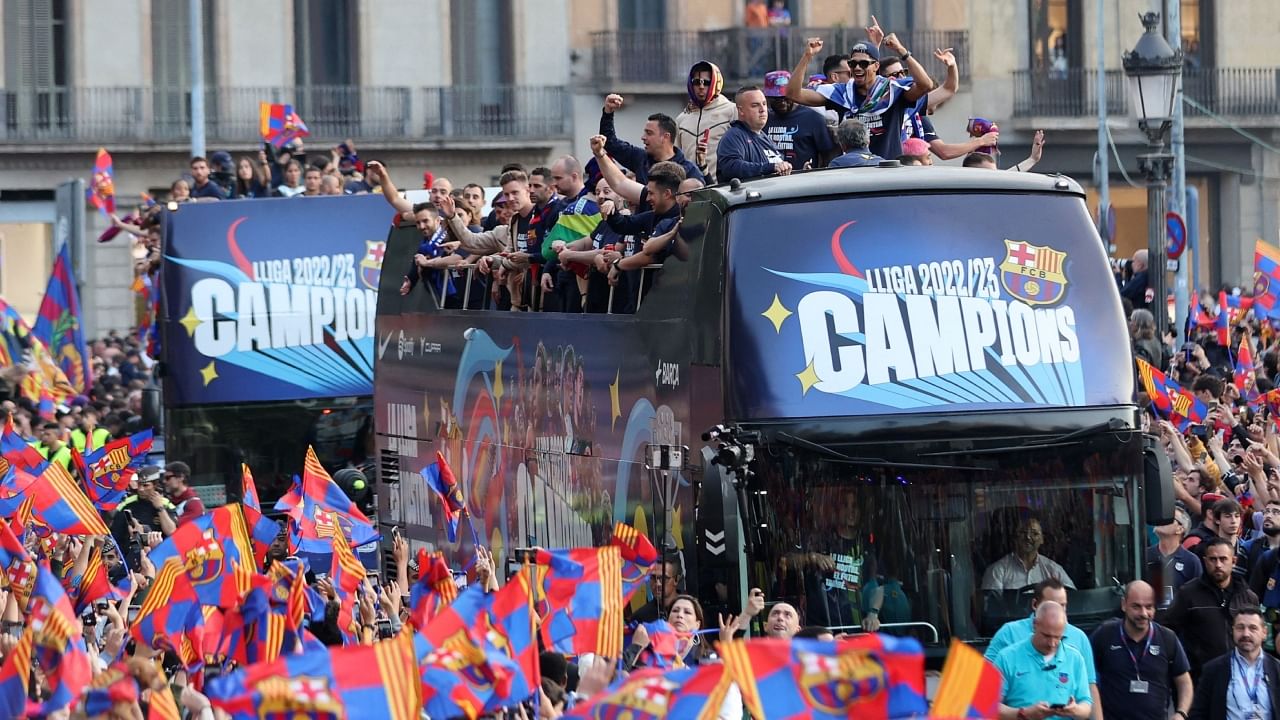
(876, 307)
(272, 299)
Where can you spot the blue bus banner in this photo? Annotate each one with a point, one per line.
(873, 306)
(268, 300)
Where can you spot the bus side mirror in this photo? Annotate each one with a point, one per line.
(1157, 485)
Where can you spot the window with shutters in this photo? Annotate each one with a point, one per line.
(37, 64)
(325, 57)
(171, 65)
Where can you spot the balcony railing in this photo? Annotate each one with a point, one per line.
(1239, 92)
(744, 55)
(163, 115)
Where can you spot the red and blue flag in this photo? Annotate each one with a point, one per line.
(59, 324)
(108, 469)
(279, 124)
(58, 642)
(442, 482)
(371, 682)
(318, 509)
(170, 617)
(102, 186)
(208, 548)
(1169, 399)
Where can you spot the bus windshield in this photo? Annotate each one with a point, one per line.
(947, 552)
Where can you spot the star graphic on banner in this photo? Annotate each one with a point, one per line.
(190, 321)
(777, 313)
(615, 406)
(497, 383)
(808, 378)
(209, 373)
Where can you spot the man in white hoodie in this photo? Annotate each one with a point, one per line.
(706, 118)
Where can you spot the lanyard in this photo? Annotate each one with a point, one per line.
(1124, 640)
(1251, 689)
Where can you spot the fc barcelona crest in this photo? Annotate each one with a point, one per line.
(1033, 274)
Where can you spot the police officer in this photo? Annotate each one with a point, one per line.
(1142, 668)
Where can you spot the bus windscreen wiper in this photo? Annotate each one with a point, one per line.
(840, 457)
(1075, 437)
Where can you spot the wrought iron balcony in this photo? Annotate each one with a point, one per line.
(663, 57)
(145, 115)
(1232, 92)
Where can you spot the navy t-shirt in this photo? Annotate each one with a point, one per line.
(801, 135)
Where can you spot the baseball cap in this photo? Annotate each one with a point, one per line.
(866, 49)
(915, 147)
(775, 83)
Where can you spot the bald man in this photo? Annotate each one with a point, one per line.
(1141, 665)
(1136, 289)
(1043, 676)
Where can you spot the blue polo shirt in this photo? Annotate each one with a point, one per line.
(1029, 678)
(1015, 632)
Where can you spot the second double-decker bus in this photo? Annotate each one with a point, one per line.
(901, 388)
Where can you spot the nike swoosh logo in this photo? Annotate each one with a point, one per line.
(382, 346)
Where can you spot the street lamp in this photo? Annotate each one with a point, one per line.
(1154, 70)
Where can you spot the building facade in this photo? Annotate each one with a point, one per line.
(460, 86)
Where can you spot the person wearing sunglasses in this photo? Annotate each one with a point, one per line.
(705, 118)
(880, 103)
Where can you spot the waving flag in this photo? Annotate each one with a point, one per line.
(585, 589)
(108, 469)
(650, 693)
(1170, 401)
(346, 574)
(811, 678)
(1243, 374)
(59, 325)
(371, 682)
(59, 505)
(1266, 276)
(58, 641)
(442, 482)
(170, 617)
(15, 673)
(318, 509)
(102, 186)
(207, 548)
(279, 124)
(433, 590)
(970, 686)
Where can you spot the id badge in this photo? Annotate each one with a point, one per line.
(1138, 686)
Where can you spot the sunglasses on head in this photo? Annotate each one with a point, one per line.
(863, 64)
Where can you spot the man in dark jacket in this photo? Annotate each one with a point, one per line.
(1243, 683)
(659, 139)
(1202, 610)
(745, 151)
(853, 137)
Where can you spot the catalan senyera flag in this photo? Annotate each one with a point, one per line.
(102, 186)
(970, 686)
(371, 682)
(1266, 277)
(279, 124)
(1170, 401)
(59, 324)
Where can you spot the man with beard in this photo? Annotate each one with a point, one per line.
(1142, 668)
(1243, 683)
(1202, 610)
